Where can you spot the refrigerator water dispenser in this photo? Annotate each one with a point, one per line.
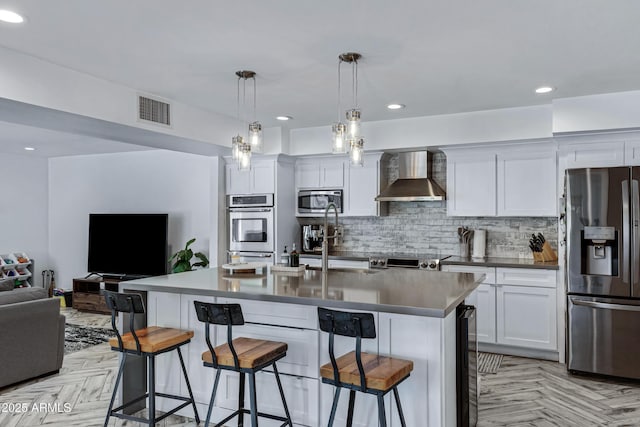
(600, 251)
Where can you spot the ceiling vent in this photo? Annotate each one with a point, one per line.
(155, 111)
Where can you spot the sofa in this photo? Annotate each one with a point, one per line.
(32, 335)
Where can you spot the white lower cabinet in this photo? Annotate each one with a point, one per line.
(302, 346)
(526, 317)
(484, 300)
(301, 394)
(516, 307)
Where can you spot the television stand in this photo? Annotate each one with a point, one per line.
(88, 295)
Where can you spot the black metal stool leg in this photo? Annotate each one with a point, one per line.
(252, 398)
(241, 401)
(334, 406)
(352, 401)
(382, 418)
(186, 379)
(284, 401)
(152, 390)
(397, 397)
(115, 388)
(213, 398)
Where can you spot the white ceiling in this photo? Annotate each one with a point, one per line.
(435, 56)
(49, 143)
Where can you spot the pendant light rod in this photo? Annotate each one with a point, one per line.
(339, 91)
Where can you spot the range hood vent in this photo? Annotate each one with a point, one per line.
(414, 183)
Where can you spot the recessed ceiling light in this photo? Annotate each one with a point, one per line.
(29, 148)
(544, 89)
(10, 17)
(284, 118)
(395, 106)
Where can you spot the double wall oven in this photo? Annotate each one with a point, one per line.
(251, 228)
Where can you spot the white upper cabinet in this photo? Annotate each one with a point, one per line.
(526, 183)
(332, 173)
(363, 187)
(260, 179)
(360, 184)
(593, 153)
(503, 180)
(471, 184)
(320, 172)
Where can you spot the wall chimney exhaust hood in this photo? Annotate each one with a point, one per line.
(414, 183)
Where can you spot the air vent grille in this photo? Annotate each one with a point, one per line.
(154, 111)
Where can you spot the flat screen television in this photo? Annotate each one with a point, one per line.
(130, 245)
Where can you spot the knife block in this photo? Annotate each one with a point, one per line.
(547, 254)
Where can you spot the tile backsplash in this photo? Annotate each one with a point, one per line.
(424, 227)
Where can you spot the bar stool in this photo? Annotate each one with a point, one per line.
(243, 355)
(358, 371)
(149, 342)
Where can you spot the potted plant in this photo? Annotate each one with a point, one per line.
(183, 259)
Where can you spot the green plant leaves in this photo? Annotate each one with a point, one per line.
(183, 259)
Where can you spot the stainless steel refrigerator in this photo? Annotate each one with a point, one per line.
(603, 271)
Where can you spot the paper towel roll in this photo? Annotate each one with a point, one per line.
(479, 243)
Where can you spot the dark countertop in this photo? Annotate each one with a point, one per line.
(397, 290)
(501, 262)
(454, 260)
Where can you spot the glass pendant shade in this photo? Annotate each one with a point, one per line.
(357, 151)
(353, 124)
(255, 137)
(339, 145)
(244, 160)
(236, 142)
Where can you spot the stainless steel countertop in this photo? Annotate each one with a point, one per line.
(454, 260)
(403, 291)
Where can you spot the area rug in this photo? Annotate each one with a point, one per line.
(489, 363)
(78, 337)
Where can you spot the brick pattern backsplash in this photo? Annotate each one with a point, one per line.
(424, 227)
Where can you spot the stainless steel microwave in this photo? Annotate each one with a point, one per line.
(316, 201)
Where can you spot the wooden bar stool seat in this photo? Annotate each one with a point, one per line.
(380, 372)
(246, 356)
(251, 352)
(153, 339)
(148, 342)
(358, 371)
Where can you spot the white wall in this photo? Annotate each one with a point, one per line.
(23, 209)
(597, 112)
(34, 81)
(140, 182)
(507, 124)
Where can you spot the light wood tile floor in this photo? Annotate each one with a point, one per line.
(524, 392)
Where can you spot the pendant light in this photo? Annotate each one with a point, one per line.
(242, 147)
(346, 137)
(338, 129)
(255, 128)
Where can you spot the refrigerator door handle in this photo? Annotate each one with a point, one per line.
(626, 238)
(635, 211)
(605, 305)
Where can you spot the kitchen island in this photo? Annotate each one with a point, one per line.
(415, 313)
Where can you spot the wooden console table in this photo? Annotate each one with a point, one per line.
(87, 295)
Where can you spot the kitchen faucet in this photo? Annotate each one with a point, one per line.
(325, 240)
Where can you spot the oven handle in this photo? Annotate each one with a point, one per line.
(620, 307)
(250, 210)
(251, 254)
